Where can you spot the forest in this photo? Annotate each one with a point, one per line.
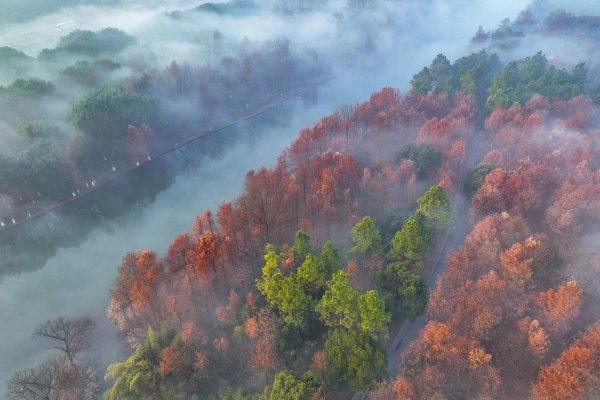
(293, 285)
(470, 202)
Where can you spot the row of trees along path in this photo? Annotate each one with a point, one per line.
(452, 238)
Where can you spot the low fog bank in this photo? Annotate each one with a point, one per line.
(44, 30)
(365, 50)
(566, 32)
(403, 34)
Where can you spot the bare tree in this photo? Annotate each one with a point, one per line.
(54, 379)
(73, 334)
(40, 383)
(78, 383)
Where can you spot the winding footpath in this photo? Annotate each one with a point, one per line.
(409, 330)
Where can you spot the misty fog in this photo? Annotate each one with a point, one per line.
(76, 280)
(72, 280)
(359, 52)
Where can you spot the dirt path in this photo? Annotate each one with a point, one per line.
(409, 330)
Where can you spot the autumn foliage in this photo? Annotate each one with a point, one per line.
(504, 308)
(574, 374)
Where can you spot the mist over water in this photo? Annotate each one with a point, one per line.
(76, 280)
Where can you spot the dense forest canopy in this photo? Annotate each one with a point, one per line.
(438, 243)
(327, 311)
